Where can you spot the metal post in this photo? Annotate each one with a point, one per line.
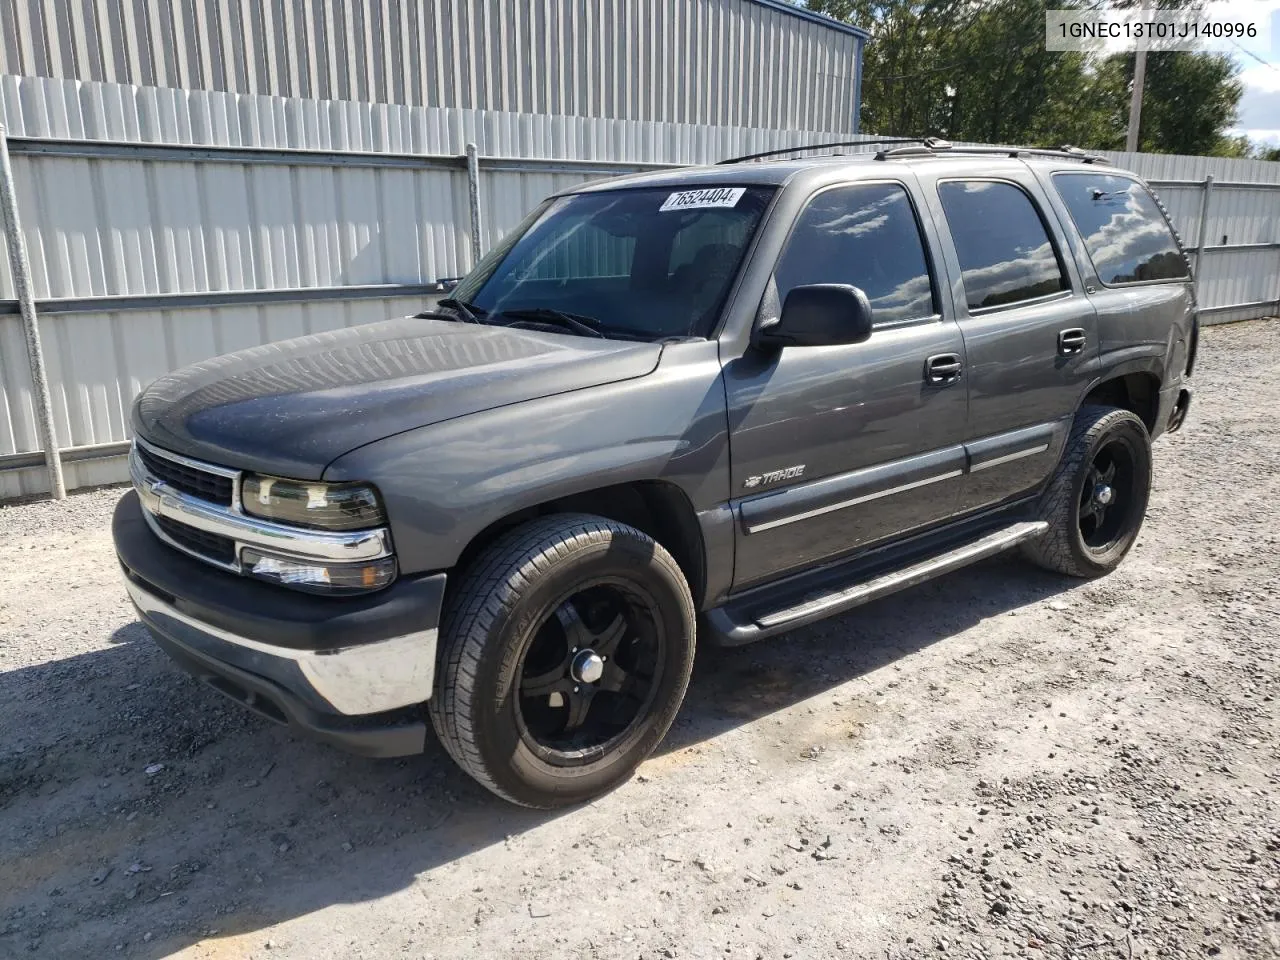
(1203, 237)
(21, 269)
(473, 196)
(1135, 101)
(1275, 306)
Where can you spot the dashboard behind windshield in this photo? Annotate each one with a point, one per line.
(646, 263)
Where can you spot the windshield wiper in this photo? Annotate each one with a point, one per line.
(570, 321)
(463, 309)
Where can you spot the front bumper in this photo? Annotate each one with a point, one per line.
(351, 671)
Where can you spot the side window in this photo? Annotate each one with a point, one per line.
(1128, 238)
(1004, 249)
(865, 235)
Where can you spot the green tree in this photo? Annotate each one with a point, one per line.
(1189, 102)
(978, 71)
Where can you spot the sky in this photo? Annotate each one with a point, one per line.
(1260, 106)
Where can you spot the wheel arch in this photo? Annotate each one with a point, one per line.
(655, 507)
(1137, 391)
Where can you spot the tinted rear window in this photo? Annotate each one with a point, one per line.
(1128, 238)
(1005, 252)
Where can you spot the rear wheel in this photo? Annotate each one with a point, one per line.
(566, 651)
(1097, 499)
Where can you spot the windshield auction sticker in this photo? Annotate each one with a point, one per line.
(700, 199)
(1219, 27)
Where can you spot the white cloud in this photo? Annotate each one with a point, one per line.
(1270, 137)
(1259, 109)
(1259, 117)
(1258, 77)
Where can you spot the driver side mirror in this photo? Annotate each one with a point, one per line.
(819, 315)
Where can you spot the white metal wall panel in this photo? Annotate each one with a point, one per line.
(1239, 215)
(109, 227)
(114, 227)
(1183, 207)
(1161, 166)
(121, 226)
(98, 362)
(68, 109)
(1239, 276)
(17, 413)
(736, 62)
(32, 481)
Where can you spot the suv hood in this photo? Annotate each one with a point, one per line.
(291, 408)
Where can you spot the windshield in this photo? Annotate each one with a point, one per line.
(649, 263)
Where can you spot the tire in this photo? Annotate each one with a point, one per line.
(1080, 542)
(517, 608)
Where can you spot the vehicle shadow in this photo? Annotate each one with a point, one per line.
(135, 801)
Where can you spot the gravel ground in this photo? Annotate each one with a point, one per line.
(999, 763)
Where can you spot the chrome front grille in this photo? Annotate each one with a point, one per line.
(183, 475)
(207, 546)
(195, 507)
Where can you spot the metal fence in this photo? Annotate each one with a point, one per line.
(165, 227)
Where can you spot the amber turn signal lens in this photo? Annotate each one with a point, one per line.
(334, 579)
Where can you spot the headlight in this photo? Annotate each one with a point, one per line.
(318, 576)
(323, 506)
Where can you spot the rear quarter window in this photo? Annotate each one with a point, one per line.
(1126, 234)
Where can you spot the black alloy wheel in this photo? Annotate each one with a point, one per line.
(1096, 500)
(1108, 494)
(565, 652)
(589, 673)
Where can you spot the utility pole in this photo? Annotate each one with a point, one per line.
(1135, 102)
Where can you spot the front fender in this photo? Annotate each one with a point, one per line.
(444, 484)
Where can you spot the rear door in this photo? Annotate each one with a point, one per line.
(1135, 271)
(834, 448)
(1030, 331)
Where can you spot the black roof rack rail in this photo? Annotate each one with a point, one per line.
(935, 147)
(821, 146)
(903, 147)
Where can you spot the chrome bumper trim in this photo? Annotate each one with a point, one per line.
(159, 499)
(356, 680)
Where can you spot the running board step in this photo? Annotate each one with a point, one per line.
(819, 604)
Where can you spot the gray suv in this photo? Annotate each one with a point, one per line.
(723, 401)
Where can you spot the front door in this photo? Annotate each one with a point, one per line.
(1030, 330)
(835, 448)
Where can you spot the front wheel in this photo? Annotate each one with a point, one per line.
(1097, 499)
(566, 652)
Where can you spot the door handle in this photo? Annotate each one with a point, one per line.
(943, 368)
(1072, 340)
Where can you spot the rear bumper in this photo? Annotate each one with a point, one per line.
(351, 671)
(1175, 402)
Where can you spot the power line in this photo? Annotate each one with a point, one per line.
(1246, 50)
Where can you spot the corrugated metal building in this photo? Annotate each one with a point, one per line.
(196, 176)
(746, 63)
